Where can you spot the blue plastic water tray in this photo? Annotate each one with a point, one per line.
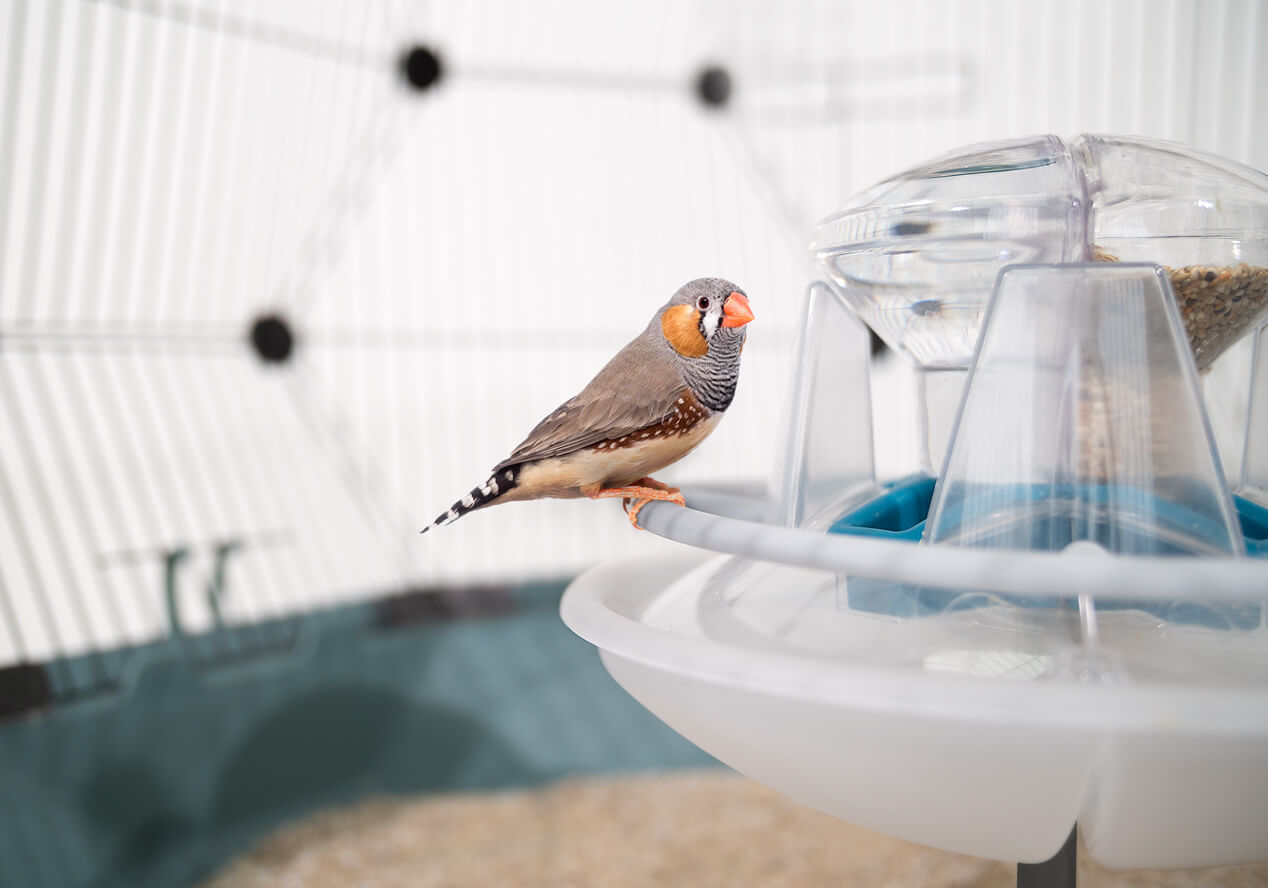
(900, 512)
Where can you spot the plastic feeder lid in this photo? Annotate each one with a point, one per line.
(917, 255)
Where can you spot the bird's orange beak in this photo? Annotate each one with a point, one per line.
(736, 312)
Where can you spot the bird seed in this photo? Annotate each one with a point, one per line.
(1218, 303)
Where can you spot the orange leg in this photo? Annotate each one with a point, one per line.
(649, 481)
(642, 492)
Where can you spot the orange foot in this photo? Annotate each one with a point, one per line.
(642, 492)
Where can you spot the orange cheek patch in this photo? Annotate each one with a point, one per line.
(681, 327)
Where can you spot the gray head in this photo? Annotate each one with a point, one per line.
(704, 323)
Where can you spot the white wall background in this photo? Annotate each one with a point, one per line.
(455, 263)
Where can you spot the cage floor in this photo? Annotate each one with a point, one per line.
(193, 758)
(699, 828)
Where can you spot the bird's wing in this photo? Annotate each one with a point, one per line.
(639, 387)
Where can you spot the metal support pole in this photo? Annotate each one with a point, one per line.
(1058, 871)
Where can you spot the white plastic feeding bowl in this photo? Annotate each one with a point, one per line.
(945, 733)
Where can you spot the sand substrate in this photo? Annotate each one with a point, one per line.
(700, 829)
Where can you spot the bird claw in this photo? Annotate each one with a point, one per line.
(635, 496)
(675, 498)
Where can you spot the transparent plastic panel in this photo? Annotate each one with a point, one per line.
(1226, 392)
(1201, 216)
(917, 255)
(939, 395)
(1082, 423)
(1082, 431)
(827, 460)
(1254, 481)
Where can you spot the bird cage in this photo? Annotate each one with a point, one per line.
(274, 276)
(1063, 620)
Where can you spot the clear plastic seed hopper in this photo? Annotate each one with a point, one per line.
(1066, 624)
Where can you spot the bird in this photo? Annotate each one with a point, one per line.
(652, 404)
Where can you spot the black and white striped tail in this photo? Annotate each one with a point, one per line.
(497, 485)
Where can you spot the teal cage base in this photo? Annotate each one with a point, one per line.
(191, 758)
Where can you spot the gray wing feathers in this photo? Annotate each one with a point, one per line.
(639, 387)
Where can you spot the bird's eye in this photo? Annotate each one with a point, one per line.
(703, 303)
